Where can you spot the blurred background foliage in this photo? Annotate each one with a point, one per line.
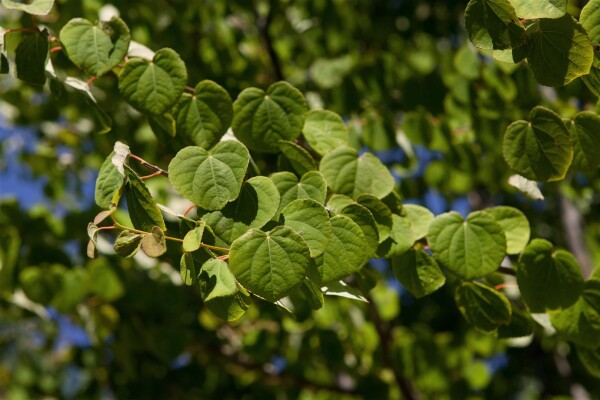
(410, 88)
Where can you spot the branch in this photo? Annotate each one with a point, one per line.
(385, 339)
(150, 166)
(572, 221)
(264, 23)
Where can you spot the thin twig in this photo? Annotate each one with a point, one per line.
(507, 271)
(150, 166)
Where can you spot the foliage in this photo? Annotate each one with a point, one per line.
(275, 219)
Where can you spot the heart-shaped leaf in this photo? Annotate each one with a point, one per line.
(348, 174)
(31, 56)
(483, 307)
(220, 292)
(262, 119)
(193, 239)
(143, 211)
(300, 159)
(471, 249)
(210, 178)
(534, 9)
(515, 226)
(345, 253)
(381, 213)
(493, 24)
(35, 7)
(548, 278)
(418, 272)
(154, 243)
(312, 185)
(324, 131)
(96, 49)
(311, 221)
(256, 205)
(584, 130)
(562, 43)
(205, 115)
(580, 323)
(128, 244)
(420, 218)
(366, 222)
(270, 264)
(153, 86)
(590, 20)
(540, 149)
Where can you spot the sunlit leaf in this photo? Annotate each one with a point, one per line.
(210, 178)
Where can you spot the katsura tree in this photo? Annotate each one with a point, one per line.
(268, 211)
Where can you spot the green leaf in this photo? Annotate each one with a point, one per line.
(418, 272)
(580, 323)
(4, 66)
(420, 218)
(256, 205)
(299, 158)
(483, 307)
(218, 281)
(590, 360)
(541, 149)
(210, 178)
(471, 249)
(328, 73)
(366, 222)
(548, 278)
(153, 86)
(270, 264)
(10, 245)
(310, 220)
(262, 119)
(187, 269)
(105, 282)
(163, 125)
(313, 294)
(31, 56)
(346, 173)
(338, 201)
(562, 43)
(143, 211)
(400, 240)
(154, 243)
(108, 184)
(515, 226)
(493, 24)
(312, 185)
(324, 131)
(342, 289)
(520, 325)
(345, 253)
(584, 130)
(205, 115)
(592, 80)
(96, 49)
(128, 244)
(528, 187)
(534, 9)
(590, 20)
(35, 7)
(193, 239)
(512, 56)
(381, 213)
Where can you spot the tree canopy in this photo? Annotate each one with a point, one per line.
(308, 199)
